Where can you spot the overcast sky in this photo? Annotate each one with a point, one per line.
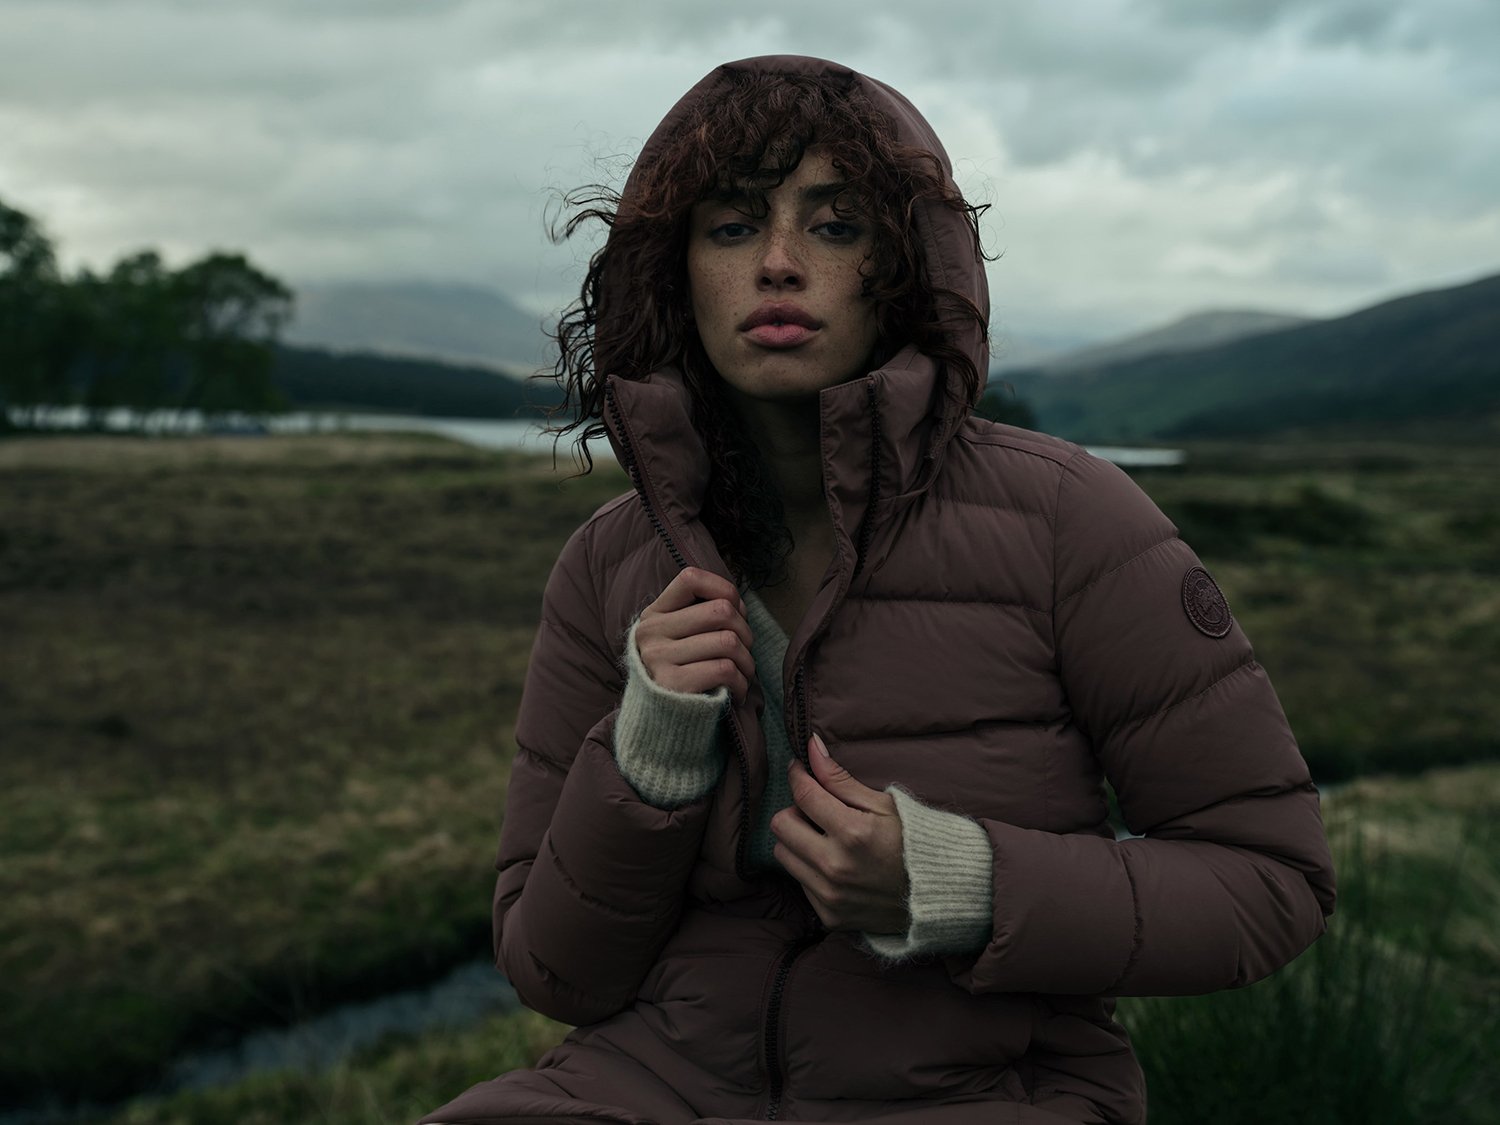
(1144, 157)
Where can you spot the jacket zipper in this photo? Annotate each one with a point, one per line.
(775, 1073)
(803, 733)
(683, 561)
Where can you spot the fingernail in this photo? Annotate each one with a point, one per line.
(818, 744)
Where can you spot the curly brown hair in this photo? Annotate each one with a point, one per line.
(750, 135)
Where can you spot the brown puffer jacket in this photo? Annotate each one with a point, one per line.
(1008, 621)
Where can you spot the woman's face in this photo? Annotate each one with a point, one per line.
(777, 296)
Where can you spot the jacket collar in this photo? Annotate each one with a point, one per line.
(883, 439)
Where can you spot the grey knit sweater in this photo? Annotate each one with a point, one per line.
(668, 746)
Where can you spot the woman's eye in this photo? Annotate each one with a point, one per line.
(731, 231)
(838, 230)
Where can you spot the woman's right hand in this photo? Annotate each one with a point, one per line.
(694, 637)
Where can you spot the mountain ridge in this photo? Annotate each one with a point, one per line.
(1189, 332)
(452, 322)
(1430, 355)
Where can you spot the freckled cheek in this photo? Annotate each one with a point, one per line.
(710, 297)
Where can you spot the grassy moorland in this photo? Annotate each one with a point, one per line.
(254, 705)
(255, 701)
(1393, 1018)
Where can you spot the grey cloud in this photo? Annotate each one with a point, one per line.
(371, 137)
(1324, 263)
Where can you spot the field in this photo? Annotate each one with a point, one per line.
(255, 708)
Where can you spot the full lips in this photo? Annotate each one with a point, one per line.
(780, 335)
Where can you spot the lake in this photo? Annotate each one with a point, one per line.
(485, 433)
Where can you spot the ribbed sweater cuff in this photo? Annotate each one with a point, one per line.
(666, 742)
(950, 868)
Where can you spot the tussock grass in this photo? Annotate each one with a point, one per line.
(1393, 1017)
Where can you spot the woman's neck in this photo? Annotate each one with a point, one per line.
(785, 432)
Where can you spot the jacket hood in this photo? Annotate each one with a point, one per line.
(951, 260)
(886, 431)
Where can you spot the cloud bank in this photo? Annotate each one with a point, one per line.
(1143, 158)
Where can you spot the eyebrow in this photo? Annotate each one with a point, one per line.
(822, 193)
(813, 193)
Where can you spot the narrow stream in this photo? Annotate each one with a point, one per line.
(462, 998)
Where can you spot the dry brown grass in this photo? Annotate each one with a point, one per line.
(254, 702)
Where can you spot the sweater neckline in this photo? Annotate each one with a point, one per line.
(768, 643)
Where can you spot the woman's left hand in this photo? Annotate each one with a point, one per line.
(842, 841)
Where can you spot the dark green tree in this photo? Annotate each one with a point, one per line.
(130, 326)
(31, 314)
(1000, 404)
(231, 315)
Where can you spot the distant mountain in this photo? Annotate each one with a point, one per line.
(1431, 359)
(1034, 349)
(459, 323)
(315, 379)
(1196, 330)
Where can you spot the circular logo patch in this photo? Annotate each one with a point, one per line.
(1205, 604)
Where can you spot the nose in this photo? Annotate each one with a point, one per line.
(779, 265)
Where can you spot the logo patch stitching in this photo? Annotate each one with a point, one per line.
(1206, 606)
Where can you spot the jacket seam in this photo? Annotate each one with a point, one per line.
(576, 997)
(869, 597)
(1101, 577)
(1059, 458)
(990, 505)
(592, 901)
(1056, 519)
(1233, 799)
(574, 632)
(601, 581)
(1136, 720)
(945, 732)
(1135, 931)
(548, 760)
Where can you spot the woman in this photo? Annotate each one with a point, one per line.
(806, 820)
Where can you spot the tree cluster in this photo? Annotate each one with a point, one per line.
(141, 336)
(1001, 404)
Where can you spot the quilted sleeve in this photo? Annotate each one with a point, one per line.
(1232, 876)
(591, 878)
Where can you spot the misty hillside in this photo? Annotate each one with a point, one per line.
(1196, 330)
(458, 323)
(1033, 349)
(315, 379)
(1429, 357)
